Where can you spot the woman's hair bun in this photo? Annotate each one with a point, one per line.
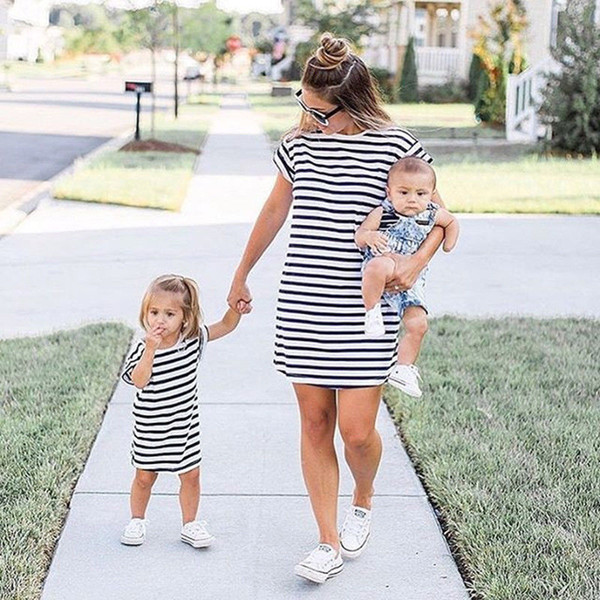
(332, 51)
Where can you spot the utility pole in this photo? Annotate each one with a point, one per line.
(176, 39)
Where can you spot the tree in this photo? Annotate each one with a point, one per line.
(408, 90)
(205, 29)
(352, 20)
(499, 46)
(571, 104)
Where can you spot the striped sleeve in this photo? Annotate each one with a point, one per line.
(132, 360)
(283, 160)
(418, 151)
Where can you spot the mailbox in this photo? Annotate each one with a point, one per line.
(139, 87)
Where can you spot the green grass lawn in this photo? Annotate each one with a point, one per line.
(506, 440)
(73, 67)
(53, 394)
(143, 179)
(476, 178)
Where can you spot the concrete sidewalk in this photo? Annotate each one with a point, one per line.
(253, 494)
(70, 263)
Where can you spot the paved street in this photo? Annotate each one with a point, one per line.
(45, 124)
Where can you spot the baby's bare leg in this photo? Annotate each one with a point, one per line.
(415, 328)
(376, 274)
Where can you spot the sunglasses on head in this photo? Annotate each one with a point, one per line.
(320, 117)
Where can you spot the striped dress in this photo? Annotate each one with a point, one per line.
(337, 181)
(166, 431)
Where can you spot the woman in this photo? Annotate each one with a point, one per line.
(333, 171)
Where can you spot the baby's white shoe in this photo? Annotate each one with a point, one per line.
(406, 379)
(374, 327)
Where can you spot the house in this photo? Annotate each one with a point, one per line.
(23, 29)
(441, 31)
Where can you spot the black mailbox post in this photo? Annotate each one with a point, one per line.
(139, 87)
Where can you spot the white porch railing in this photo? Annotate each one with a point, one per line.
(438, 62)
(523, 97)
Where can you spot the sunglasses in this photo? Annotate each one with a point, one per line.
(320, 117)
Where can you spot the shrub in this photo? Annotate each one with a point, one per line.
(475, 71)
(384, 79)
(452, 91)
(571, 102)
(409, 82)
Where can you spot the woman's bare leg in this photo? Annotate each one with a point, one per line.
(357, 412)
(317, 407)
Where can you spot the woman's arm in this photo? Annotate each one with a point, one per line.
(269, 222)
(226, 325)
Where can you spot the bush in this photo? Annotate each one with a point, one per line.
(384, 79)
(452, 91)
(475, 71)
(571, 104)
(409, 82)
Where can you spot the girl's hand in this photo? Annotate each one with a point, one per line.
(377, 241)
(154, 337)
(240, 298)
(405, 274)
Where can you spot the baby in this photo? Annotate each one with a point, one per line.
(411, 186)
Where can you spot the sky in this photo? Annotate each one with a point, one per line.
(245, 6)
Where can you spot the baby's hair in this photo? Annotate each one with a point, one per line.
(411, 164)
(188, 289)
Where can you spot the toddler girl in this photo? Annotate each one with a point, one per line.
(411, 185)
(166, 432)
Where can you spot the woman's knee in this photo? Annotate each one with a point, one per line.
(145, 479)
(318, 426)
(357, 438)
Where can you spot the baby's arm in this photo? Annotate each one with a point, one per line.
(450, 224)
(226, 325)
(367, 234)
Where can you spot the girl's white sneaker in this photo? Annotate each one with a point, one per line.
(355, 531)
(374, 327)
(135, 533)
(321, 564)
(195, 534)
(406, 379)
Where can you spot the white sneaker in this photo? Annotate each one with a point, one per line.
(374, 326)
(321, 564)
(406, 379)
(135, 533)
(195, 534)
(355, 531)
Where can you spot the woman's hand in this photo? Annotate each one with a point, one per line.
(240, 298)
(405, 274)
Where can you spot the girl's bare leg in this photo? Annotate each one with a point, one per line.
(189, 494)
(141, 488)
(415, 328)
(357, 410)
(317, 407)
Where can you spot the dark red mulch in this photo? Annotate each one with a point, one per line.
(156, 146)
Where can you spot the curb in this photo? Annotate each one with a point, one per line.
(14, 214)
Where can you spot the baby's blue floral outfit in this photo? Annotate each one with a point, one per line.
(405, 235)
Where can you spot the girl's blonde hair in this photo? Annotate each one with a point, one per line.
(190, 304)
(340, 77)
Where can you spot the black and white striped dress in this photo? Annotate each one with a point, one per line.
(166, 431)
(337, 180)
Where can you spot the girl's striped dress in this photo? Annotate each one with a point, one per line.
(166, 431)
(337, 180)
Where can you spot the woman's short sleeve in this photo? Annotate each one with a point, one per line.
(132, 360)
(282, 158)
(418, 151)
